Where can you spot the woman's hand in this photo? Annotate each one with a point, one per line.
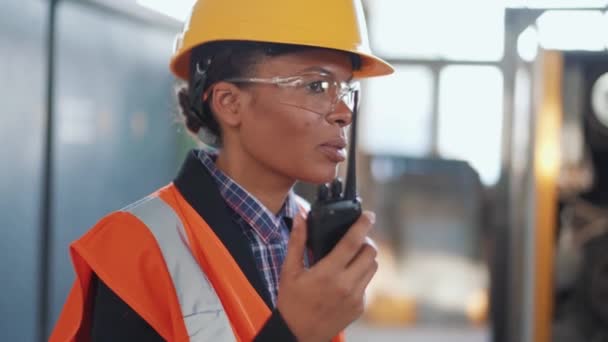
(319, 302)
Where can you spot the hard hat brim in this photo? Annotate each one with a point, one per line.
(371, 66)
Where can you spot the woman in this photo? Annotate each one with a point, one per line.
(218, 254)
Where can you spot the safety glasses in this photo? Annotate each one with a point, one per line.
(315, 91)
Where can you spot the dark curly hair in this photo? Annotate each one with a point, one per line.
(228, 59)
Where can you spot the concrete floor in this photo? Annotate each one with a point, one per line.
(360, 332)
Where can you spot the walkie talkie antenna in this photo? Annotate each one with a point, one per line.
(350, 188)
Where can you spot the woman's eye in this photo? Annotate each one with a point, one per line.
(317, 87)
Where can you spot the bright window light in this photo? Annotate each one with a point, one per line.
(396, 113)
(527, 44)
(177, 9)
(556, 3)
(432, 29)
(470, 117)
(606, 26)
(472, 29)
(515, 3)
(401, 28)
(572, 30)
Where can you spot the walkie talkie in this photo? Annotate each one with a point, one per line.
(333, 212)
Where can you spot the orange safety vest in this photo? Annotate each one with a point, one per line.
(162, 258)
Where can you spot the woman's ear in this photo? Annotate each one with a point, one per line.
(226, 99)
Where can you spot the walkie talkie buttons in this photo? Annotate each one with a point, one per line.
(323, 193)
(336, 189)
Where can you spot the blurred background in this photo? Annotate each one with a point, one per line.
(485, 157)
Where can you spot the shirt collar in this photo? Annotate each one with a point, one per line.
(266, 225)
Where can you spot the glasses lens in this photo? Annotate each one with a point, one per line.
(348, 98)
(319, 93)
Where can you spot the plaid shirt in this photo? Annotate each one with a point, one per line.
(267, 233)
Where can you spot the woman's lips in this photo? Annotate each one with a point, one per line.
(334, 153)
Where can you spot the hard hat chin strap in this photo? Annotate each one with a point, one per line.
(197, 87)
(197, 100)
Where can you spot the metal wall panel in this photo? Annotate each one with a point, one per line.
(115, 136)
(22, 103)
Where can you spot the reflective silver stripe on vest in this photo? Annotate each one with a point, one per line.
(203, 314)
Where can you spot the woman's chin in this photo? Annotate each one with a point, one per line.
(319, 175)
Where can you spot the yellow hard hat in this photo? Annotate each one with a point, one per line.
(332, 24)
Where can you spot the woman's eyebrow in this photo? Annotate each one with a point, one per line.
(318, 69)
(324, 71)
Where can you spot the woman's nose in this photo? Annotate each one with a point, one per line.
(341, 115)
